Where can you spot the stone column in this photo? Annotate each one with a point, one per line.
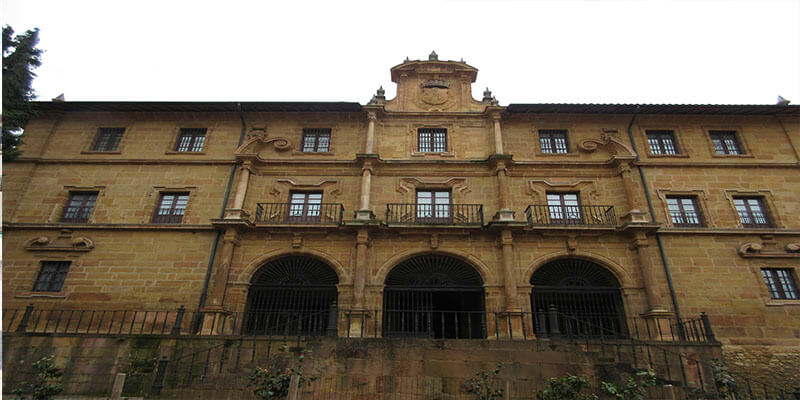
(504, 213)
(360, 273)
(219, 276)
(498, 134)
(236, 212)
(654, 301)
(371, 117)
(509, 278)
(364, 212)
(636, 213)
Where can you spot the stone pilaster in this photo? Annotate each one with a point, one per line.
(222, 266)
(649, 275)
(237, 212)
(360, 273)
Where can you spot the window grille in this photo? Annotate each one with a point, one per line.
(662, 142)
(432, 140)
(725, 142)
(316, 140)
(108, 139)
(564, 208)
(752, 212)
(305, 206)
(684, 211)
(79, 206)
(51, 276)
(191, 140)
(553, 141)
(780, 283)
(170, 208)
(433, 205)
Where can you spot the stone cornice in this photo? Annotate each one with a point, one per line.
(124, 161)
(728, 231)
(145, 227)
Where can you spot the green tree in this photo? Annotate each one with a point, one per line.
(20, 57)
(47, 383)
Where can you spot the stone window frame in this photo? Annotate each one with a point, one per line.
(298, 133)
(740, 138)
(768, 201)
(58, 209)
(70, 196)
(76, 263)
(677, 134)
(414, 140)
(155, 193)
(762, 286)
(701, 195)
(458, 187)
(88, 146)
(176, 134)
(587, 190)
(570, 135)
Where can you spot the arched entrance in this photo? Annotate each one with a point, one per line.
(583, 297)
(434, 296)
(290, 295)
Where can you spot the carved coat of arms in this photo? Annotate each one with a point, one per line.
(435, 95)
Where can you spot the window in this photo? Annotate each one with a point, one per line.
(432, 140)
(564, 208)
(316, 140)
(752, 212)
(725, 142)
(51, 276)
(305, 206)
(662, 142)
(107, 139)
(433, 205)
(79, 207)
(170, 208)
(191, 140)
(684, 211)
(780, 283)
(553, 141)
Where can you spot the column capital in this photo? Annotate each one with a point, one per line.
(372, 115)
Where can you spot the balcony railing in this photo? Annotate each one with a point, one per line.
(547, 215)
(299, 214)
(434, 214)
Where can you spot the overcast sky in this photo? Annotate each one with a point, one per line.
(633, 51)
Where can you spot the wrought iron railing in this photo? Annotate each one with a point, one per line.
(434, 214)
(543, 214)
(299, 214)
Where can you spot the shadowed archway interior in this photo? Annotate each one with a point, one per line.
(291, 295)
(584, 295)
(434, 296)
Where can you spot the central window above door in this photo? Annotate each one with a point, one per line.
(564, 208)
(305, 206)
(433, 206)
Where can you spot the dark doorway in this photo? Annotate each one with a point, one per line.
(290, 296)
(584, 296)
(434, 296)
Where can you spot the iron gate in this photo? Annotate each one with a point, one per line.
(577, 297)
(291, 296)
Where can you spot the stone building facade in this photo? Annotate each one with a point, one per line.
(429, 202)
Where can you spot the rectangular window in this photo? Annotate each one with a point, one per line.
(553, 141)
(170, 208)
(433, 205)
(51, 276)
(780, 283)
(432, 140)
(305, 206)
(725, 142)
(564, 208)
(191, 140)
(79, 207)
(684, 211)
(316, 140)
(107, 139)
(662, 142)
(752, 212)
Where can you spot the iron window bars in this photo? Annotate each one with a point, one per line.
(191, 140)
(725, 142)
(752, 212)
(780, 283)
(316, 140)
(107, 139)
(564, 208)
(79, 207)
(685, 211)
(170, 208)
(432, 140)
(51, 276)
(553, 141)
(662, 143)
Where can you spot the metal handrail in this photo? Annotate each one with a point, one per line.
(434, 214)
(549, 215)
(299, 214)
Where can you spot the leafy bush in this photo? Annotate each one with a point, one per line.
(569, 387)
(635, 388)
(274, 384)
(47, 384)
(482, 387)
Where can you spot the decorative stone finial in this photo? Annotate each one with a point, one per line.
(433, 56)
(407, 59)
(379, 97)
(462, 60)
(487, 95)
(381, 92)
